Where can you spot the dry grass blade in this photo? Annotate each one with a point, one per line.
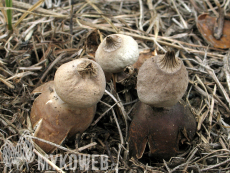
(23, 5)
(3, 11)
(63, 148)
(115, 118)
(216, 165)
(211, 73)
(227, 70)
(6, 82)
(29, 10)
(49, 162)
(181, 18)
(212, 106)
(101, 13)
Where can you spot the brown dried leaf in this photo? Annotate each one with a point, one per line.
(92, 42)
(142, 58)
(205, 24)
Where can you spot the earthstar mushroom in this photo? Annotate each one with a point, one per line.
(162, 80)
(67, 105)
(161, 128)
(158, 118)
(116, 52)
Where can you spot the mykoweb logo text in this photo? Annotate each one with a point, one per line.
(24, 153)
(74, 162)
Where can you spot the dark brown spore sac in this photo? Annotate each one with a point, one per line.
(161, 128)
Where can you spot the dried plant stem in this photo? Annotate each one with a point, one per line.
(87, 146)
(181, 18)
(6, 83)
(63, 148)
(8, 124)
(226, 61)
(211, 7)
(168, 169)
(212, 106)
(26, 13)
(48, 161)
(118, 156)
(106, 18)
(26, 6)
(3, 11)
(124, 114)
(213, 75)
(141, 15)
(51, 66)
(119, 129)
(116, 121)
(102, 115)
(216, 165)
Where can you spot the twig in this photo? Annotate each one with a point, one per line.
(106, 18)
(213, 166)
(87, 146)
(119, 129)
(141, 15)
(63, 148)
(213, 75)
(40, 10)
(212, 106)
(36, 5)
(51, 66)
(102, 115)
(181, 18)
(118, 156)
(6, 83)
(168, 169)
(48, 161)
(226, 61)
(124, 114)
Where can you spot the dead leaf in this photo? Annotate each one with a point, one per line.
(205, 25)
(92, 42)
(142, 58)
